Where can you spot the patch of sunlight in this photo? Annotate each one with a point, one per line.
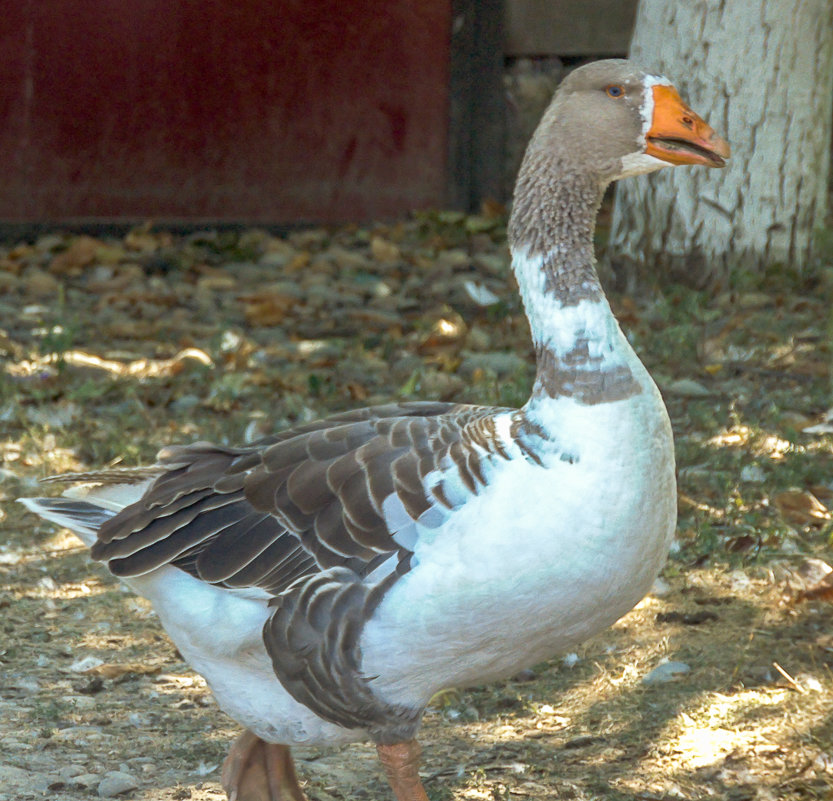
(139, 607)
(25, 367)
(44, 452)
(479, 795)
(310, 347)
(168, 683)
(36, 552)
(648, 602)
(761, 443)
(686, 501)
(821, 445)
(712, 732)
(773, 446)
(702, 747)
(737, 435)
(10, 450)
(448, 328)
(64, 540)
(137, 368)
(67, 591)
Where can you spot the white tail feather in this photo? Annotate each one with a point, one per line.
(87, 530)
(84, 508)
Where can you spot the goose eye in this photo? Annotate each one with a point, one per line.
(615, 90)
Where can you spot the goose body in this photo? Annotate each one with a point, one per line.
(328, 580)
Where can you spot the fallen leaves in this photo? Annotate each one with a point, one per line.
(80, 254)
(322, 319)
(113, 670)
(812, 581)
(823, 591)
(825, 426)
(802, 508)
(384, 251)
(267, 309)
(447, 332)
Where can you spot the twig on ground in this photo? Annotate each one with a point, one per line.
(790, 680)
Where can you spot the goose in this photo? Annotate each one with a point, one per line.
(329, 579)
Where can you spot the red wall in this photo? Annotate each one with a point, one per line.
(252, 110)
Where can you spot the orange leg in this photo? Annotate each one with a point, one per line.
(255, 770)
(401, 763)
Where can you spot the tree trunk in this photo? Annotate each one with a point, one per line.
(761, 73)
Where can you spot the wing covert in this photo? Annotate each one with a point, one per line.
(345, 491)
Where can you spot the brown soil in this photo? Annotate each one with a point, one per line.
(115, 348)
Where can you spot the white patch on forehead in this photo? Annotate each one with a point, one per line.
(647, 108)
(646, 111)
(639, 163)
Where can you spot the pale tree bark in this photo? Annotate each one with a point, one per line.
(761, 73)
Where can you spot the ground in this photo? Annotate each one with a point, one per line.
(112, 348)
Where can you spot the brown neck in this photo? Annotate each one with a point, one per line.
(579, 349)
(554, 218)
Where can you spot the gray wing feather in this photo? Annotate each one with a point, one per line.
(308, 499)
(308, 515)
(312, 638)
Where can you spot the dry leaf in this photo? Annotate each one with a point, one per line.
(801, 508)
(627, 311)
(480, 294)
(76, 257)
(142, 240)
(39, 283)
(216, 283)
(491, 208)
(822, 492)
(267, 309)
(688, 388)
(811, 581)
(112, 670)
(384, 251)
(820, 591)
(447, 331)
(139, 368)
(823, 427)
(754, 300)
(742, 543)
(298, 262)
(11, 266)
(375, 318)
(357, 391)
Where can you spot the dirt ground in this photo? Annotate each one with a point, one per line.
(112, 348)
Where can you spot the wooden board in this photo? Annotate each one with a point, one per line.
(260, 111)
(569, 27)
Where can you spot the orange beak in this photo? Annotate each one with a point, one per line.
(679, 136)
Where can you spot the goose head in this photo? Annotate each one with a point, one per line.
(608, 120)
(613, 120)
